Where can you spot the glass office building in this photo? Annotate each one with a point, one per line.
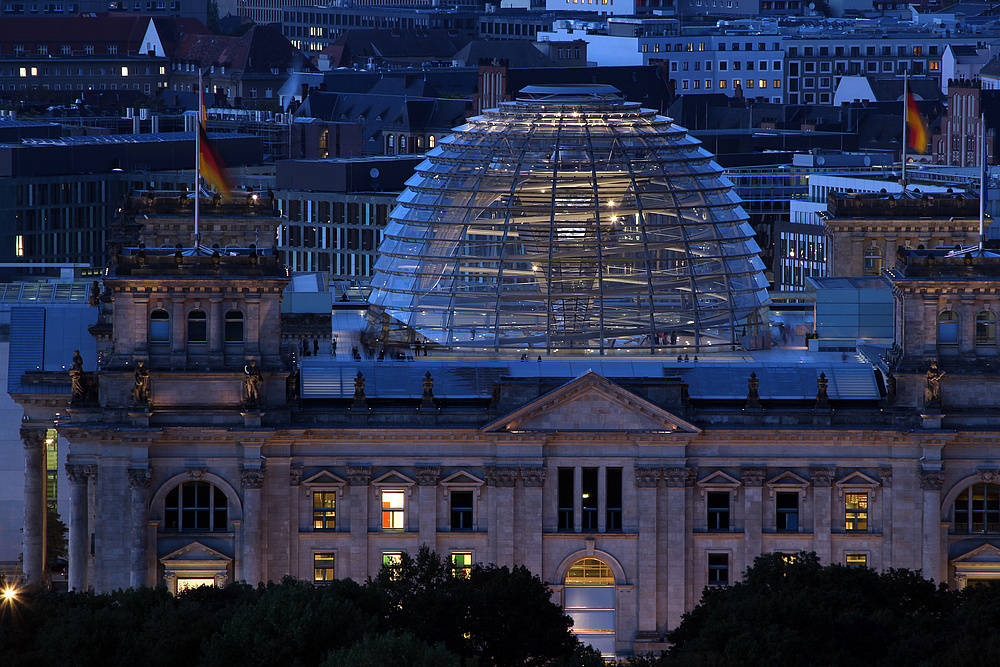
(568, 220)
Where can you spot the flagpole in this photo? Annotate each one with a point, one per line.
(906, 99)
(197, 161)
(982, 184)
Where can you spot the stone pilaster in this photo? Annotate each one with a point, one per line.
(33, 440)
(647, 482)
(823, 511)
(885, 474)
(78, 477)
(359, 477)
(677, 562)
(502, 481)
(753, 517)
(931, 482)
(138, 480)
(533, 480)
(252, 480)
(427, 480)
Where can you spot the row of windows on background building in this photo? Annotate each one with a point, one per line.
(986, 328)
(197, 327)
(198, 506)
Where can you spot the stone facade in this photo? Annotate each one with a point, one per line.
(669, 492)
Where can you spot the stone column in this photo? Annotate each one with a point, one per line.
(427, 479)
(753, 519)
(78, 475)
(967, 328)
(677, 532)
(252, 480)
(822, 479)
(502, 480)
(359, 478)
(531, 530)
(931, 482)
(138, 480)
(33, 440)
(647, 482)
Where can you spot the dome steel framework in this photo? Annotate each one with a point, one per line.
(568, 220)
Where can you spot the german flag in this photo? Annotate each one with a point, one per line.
(213, 170)
(917, 136)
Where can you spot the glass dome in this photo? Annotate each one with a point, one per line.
(568, 220)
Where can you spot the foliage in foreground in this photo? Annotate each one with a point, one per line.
(417, 614)
(800, 612)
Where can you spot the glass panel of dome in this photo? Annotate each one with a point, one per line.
(572, 220)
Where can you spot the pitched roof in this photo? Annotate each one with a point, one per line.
(517, 53)
(401, 46)
(127, 29)
(261, 49)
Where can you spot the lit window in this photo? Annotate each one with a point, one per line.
(324, 510)
(977, 509)
(776, 83)
(722, 84)
(461, 510)
(323, 567)
(786, 507)
(461, 564)
(197, 327)
(718, 569)
(718, 510)
(159, 326)
(856, 512)
(762, 83)
(857, 560)
(430, 141)
(749, 83)
(392, 510)
(124, 71)
(195, 507)
(934, 65)
(986, 328)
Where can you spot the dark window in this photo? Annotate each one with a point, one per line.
(718, 510)
(195, 507)
(977, 509)
(787, 510)
(718, 569)
(613, 486)
(461, 510)
(159, 326)
(588, 499)
(324, 510)
(197, 327)
(566, 499)
(234, 327)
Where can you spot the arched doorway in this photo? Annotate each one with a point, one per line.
(589, 599)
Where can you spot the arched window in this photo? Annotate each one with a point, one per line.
(590, 601)
(873, 261)
(197, 327)
(390, 139)
(402, 143)
(234, 327)
(986, 328)
(431, 141)
(419, 142)
(948, 328)
(159, 326)
(198, 507)
(977, 509)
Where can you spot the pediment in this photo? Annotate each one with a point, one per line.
(591, 403)
(789, 479)
(984, 553)
(859, 479)
(324, 478)
(462, 478)
(196, 552)
(719, 479)
(393, 478)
